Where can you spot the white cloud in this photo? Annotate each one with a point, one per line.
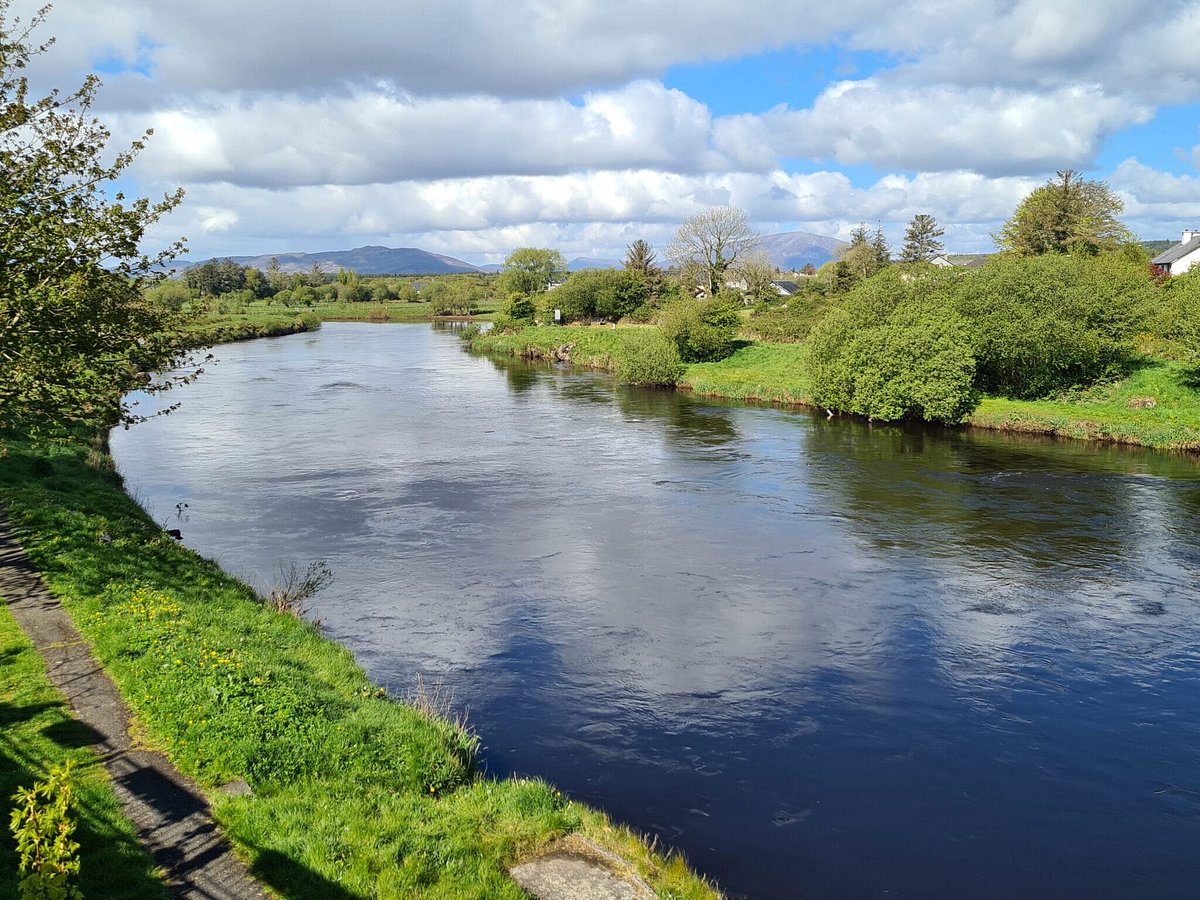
(941, 127)
(379, 137)
(524, 48)
(545, 122)
(590, 214)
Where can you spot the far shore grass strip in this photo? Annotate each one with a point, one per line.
(355, 795)
(1153, 406)
(38, 732)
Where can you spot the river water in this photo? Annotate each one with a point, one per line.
(823, 659)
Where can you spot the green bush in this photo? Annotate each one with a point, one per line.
(791, 322)
(43, 824)
(646, 357)
(895, 349)
(1047, 323)
(598, 294)
(502, 324)
(519, 307)
(701, 330)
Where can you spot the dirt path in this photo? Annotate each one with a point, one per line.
(170, 814)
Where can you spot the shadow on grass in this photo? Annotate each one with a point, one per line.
(295, 881)
(72, 734)
(113, 864)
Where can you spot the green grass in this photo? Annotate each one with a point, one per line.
(771, 373)
(355, 795)
(38, 732)
(1110, 412)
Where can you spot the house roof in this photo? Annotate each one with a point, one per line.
(967, 260)
(790, 286)
(1176, 253)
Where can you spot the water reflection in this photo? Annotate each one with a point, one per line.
(806, 651)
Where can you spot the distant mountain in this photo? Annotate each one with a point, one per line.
(491, 268)
(796, 249)
(364, 261)
(585, 262)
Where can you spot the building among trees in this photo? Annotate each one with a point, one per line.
(1182, 256)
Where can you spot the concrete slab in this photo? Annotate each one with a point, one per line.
(577, 869)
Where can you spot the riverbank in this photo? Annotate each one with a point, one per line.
(352, 793)
(1153, 406)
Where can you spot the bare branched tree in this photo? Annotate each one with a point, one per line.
(715, 239)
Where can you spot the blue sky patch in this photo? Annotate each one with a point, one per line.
(1166, 142)
(758, 83)
(142, 63)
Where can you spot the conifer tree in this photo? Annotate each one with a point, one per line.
(921, 239)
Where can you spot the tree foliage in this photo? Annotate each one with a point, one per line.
(1048, 323)
(712, 241)
(75, 328)
(642, 262)
(213, 278)
(598, 294)
(867, 253)
(1068, 213)
(531, 270)
(921, 239)
(757, 273)
(702, 330)
(895, 349)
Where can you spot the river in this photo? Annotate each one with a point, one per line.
(821, 658)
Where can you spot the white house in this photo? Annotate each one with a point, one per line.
(1181, 257)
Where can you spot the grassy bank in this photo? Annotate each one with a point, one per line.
(354, 794)
(213, 330)
(37, 732)
(772, 373)
(1153, 406)
(1119, 411)
(592, 346)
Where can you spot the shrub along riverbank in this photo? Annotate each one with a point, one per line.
(1118, 410)
(354, 794)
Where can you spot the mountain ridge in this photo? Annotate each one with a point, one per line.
(368, 260)
(787, 250)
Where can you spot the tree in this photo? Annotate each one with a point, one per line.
(276, 277)
(714, 239)
(921, 239)
(758, 274)
(895, 349)
(599, 294)
(1067, 213)
(883, 253)
(531, 270)
(867, 253)
(212, 278)
(76, 329)
(315, 277)
(641, 261)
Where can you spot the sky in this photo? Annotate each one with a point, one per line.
(469, 128)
